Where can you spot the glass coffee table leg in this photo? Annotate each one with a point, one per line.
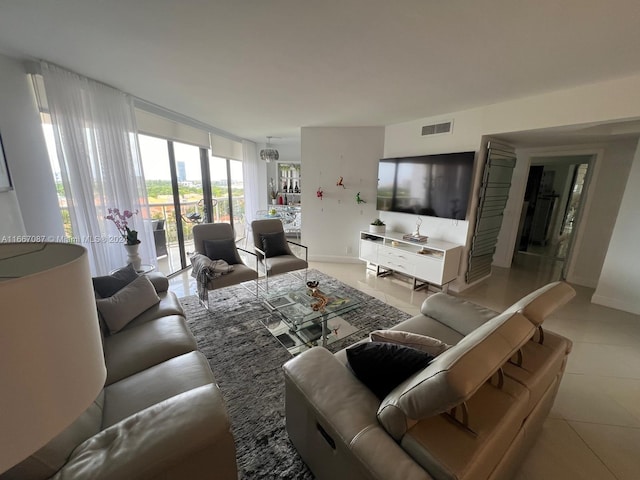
(324, 331)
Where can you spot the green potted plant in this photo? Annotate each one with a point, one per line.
(377, 226)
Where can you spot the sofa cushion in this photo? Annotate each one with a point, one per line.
(168, 305)
(455, 375)
(107, 285)
(153, 385)
(274, 244)
(381, 365)
(221, 250)
(135, 349)
(424, 343)
(47, 460)
(126, 304)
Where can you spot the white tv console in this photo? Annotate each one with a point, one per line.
(432, 262)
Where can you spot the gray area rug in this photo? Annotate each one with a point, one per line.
(247, 364)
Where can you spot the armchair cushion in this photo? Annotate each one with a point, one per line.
(107, 285)
(221, 250)
(126, 304)
(381, 366)
(274, 244)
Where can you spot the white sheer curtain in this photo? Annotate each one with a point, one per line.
(251, 177)
(97, 146)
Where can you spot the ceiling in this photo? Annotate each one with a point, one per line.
(258, 67)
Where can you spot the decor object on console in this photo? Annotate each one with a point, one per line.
(51, 361)
(473, 412)
(158, 390)
(377, 226)
(269, 154)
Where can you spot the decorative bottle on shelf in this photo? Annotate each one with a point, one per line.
(286, 202)
(296, 190)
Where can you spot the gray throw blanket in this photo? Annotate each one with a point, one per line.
(205, 269)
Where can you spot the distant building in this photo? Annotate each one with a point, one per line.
(181, 171)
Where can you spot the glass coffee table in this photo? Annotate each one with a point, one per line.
(296, 324)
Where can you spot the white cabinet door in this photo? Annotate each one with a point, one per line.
(368, 251)
(429, 269)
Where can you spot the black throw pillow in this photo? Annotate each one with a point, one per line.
(274, 244)
(382, 366)
(108, 285)
(221, 250)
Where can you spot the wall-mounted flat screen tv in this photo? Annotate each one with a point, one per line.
(431, 185)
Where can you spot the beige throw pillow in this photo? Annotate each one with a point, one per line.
(430, 345)
(127, 303)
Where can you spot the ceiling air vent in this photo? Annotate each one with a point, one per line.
(437, 128)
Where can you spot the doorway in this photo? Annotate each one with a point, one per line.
(551, 207)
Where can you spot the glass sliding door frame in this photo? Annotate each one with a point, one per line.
(211, 205)
(176, 204)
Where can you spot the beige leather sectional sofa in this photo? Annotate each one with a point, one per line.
(159, 416)
(472, 413)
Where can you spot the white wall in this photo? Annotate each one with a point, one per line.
(27, 157)
(619, 282)
(330, 226)
(606, 192)
(606, 101)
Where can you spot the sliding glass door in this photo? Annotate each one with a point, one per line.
(227, 193)
(185, 187)
(160, 198)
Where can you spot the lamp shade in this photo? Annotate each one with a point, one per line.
(51, 361)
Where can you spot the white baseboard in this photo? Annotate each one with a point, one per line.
(630, 307)
(334, 259)
(582, 281)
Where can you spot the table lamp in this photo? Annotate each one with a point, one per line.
(51, 361)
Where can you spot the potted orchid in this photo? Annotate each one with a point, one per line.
(121, 221)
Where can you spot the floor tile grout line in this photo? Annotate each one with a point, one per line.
(592, 450)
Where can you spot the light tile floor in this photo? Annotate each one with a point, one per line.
(593, 431)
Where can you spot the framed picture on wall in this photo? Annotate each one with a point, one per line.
(5, 179)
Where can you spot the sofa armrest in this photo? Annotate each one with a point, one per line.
(333, 390)
(331, 420)
(185, 436)
(460, 315)
(159, 280)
